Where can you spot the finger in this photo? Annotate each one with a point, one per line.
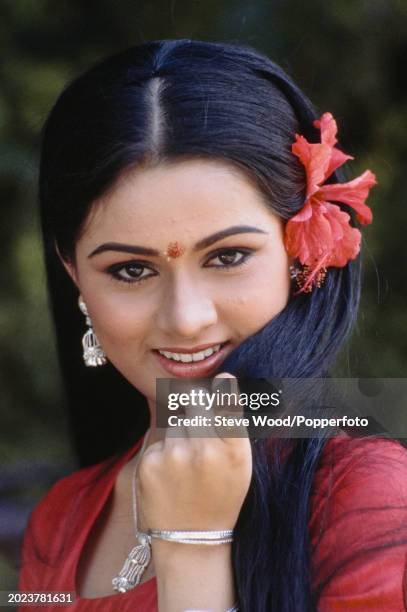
(231, 422)
(227, 391)
(199, 415)
(193, 420)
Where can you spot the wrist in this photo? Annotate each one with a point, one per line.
(169, 552)
(194, 577)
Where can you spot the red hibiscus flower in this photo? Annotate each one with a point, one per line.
(320, 235)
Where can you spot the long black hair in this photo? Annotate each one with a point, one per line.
(178, 100)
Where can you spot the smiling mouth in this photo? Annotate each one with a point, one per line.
(197, 364)
(188, 357)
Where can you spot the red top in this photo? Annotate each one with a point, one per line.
(367, 504)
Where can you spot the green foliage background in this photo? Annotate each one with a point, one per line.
(349, 56)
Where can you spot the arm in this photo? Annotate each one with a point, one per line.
(193, 577)
(359, 530)
(191, 483)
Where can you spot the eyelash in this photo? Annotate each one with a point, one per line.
(114, 270)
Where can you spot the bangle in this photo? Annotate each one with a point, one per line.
(193, 537)
(233, 609)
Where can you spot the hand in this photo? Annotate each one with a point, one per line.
(195, 483)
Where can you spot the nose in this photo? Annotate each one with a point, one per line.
(187, 310)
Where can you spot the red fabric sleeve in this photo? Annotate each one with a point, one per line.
(359, 526)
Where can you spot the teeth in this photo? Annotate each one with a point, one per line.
(188, 357)
(175, 356)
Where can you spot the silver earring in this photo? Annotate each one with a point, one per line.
(293, 272)
(93, 354)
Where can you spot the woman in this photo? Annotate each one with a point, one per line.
(181, 208)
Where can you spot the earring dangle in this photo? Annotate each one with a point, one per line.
(93, 354)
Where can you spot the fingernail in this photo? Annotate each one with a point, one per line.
(222, 384)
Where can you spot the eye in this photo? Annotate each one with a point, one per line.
(230, 258)
(131, 272)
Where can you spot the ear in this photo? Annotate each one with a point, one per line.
(68, 265)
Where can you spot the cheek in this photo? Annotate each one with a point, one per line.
(257, 299)
(120, 321)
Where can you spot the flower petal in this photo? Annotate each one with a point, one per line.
(304, 214)
(325, 239)
(338, 158)
(329, 129)
(309, 240)
(315, 158)
(346, 239)
(354, 193)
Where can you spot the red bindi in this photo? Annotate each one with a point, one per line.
(174, 250)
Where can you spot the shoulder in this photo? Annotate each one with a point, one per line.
(351, 448)
(343, 453)
(358, 524)
(367, 466)
(359, 473)
(61, 501)
(62, 493)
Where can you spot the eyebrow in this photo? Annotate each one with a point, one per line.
(201, 244)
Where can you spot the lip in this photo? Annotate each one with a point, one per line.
(197, 369)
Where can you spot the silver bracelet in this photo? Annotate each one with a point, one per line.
(234, 609)
(193, 537)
